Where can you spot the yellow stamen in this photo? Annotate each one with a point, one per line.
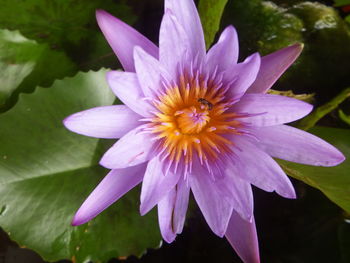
(192, 119)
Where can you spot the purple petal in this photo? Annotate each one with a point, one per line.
(109, 122)
(132, 149)
(243, 74)
(149, 72)
(258, 168)
(173, 43)
(273, 66)
(156, 185)
(241, 194)
(123, 38)
(186, 13)
(225, 52)
(165, 217)
(213, 200)
(243, 238)
(172, 211)
(110, 189)
(126, 87)
(271, 109)
(298, 146)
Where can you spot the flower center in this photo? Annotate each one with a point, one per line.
(192, 120)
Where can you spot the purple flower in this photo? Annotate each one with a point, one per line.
(196, 121)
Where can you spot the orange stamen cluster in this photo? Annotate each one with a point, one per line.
(192, 120)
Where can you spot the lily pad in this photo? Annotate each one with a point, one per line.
(46, 172)
(60, 23)
(25, 64)
(334, 182)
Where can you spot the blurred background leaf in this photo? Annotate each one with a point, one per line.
(24, 64)
(210, 12)
(66, 25)
(266, 26)
(341, 2)
(60, 23)
(345, 118)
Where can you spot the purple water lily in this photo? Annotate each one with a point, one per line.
(199, 121)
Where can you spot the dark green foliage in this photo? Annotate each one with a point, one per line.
(265, 27)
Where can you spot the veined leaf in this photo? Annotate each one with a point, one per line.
(46, 172)
(25, 64)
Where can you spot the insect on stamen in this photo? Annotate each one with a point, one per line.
(205, 103)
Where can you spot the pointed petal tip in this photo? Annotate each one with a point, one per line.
(274, 65)
(75, 223)
(99, 12)
(291, 52)
(298, 47)
(79, 220)
(242, 236)
(255, 58)
(220, 234)
(337, 158)
(247, 215)
(304, 108)
(143, 209)
(70, 122)
(122, 38)
(102, 14)
(65, 122)
(251, 217)
(105, 162)
(341, 158)
(169, 237)
(230, 28)
(169, 240)
(291, 194)
(308, 107)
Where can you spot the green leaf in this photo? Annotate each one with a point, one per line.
(60, 23)
(262, 26)
(311, 120)
(341, 2)
(345, 118)
(210, 12)
(266, 27)
(347, 19)
(327, 39)
(334, 182)
(24, 64)
(46, 172)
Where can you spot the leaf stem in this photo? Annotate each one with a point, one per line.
(310, 121)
